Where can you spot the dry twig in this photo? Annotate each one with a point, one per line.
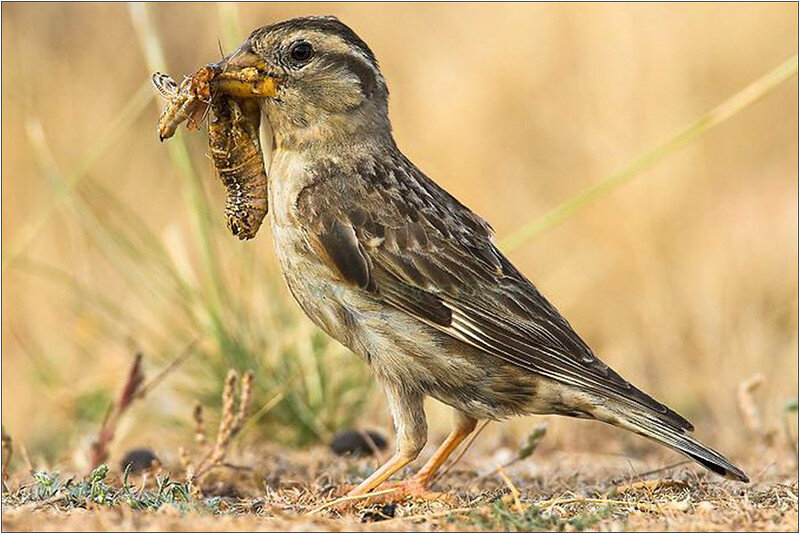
(99, 451)
(150, 385)
(372, 445)
(619, 480)
(650, 485)
(644, 506)
(131, 391)
(514, 491)
(199, 432)
(231, 422)
(461, 454)
(349, 498)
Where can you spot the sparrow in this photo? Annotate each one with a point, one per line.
(399, 271)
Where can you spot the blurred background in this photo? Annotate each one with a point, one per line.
(684, 280)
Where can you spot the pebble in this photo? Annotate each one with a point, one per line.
(138, 460)
(351, 442)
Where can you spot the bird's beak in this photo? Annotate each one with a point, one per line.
(243, 74)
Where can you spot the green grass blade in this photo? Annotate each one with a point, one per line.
(716, 116)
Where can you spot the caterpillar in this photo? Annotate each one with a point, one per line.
(233, 143)
(237, 156)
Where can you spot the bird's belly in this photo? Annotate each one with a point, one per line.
(387, 338)
(309, 280)
(350, 315)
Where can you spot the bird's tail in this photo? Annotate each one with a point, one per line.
(654, 426)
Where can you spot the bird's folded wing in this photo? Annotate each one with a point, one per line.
(442, 267)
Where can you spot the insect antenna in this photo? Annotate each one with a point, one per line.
(206, 110)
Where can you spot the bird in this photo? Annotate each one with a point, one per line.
(400, 272)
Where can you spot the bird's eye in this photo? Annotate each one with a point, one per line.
(301, 52)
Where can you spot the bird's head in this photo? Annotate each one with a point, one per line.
(316, 77)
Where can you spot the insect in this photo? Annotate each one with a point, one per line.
(185, 102)
(232, 138)
(237, 156)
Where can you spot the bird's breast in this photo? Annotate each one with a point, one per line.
(309, 279)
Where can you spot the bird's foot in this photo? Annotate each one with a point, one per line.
(392, 492)
(413, 488)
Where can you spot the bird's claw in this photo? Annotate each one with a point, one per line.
(391, 492)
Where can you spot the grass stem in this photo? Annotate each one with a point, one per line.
(348, 498)
(179, 152)
(230, 25)
(727, 109)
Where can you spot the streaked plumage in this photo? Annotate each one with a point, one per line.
(407, 243)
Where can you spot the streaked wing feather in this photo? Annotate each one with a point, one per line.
(338, 240)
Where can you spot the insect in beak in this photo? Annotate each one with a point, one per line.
(243, 74)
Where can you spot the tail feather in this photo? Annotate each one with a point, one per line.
(653, 426)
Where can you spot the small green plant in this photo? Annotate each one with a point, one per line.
(96, 489)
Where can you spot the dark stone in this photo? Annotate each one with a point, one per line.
(381, 513)
(353, 443)
(138, 460)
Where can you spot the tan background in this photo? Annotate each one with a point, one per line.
(685, 280)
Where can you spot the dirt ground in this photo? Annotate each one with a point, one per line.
(554, 491)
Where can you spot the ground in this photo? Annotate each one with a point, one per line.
(553, 491)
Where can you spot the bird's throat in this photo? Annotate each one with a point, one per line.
(266, 137)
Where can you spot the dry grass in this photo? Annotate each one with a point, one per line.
(283, 489)
(683, 280)
(230, 424)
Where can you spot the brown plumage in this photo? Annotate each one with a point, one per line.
(407, 277)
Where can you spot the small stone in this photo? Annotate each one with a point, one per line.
(382, 513)
(353, 443)
(138, 460)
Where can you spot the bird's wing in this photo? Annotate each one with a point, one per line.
(398, 235)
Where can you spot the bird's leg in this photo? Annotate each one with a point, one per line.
(394, 464)
(412, 432)
(463, 428)
(418, 484)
